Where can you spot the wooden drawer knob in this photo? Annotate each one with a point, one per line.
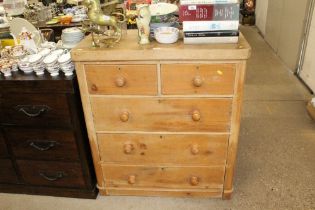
(124, 116)
(194, 149)
(128, 148)
(120, 81)
(194, 180)
(132, 179)
(197, 81)
(196, 116)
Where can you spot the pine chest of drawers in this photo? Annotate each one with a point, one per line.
(44, 147)
(163, 119)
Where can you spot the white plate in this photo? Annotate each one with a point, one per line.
(50, 59)
(64, 58)
(57, 52)
(4, 25)
(71, 30)
(76, 20)
(162, 9)
(44, 51)
(35, 58)
(17, 24)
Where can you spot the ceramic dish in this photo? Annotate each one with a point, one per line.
(162, 9)
(64, 58)
(50, 59)
(57, 52)
(166, 35)
(35, 58)
(6, 71)
(53, 21)
(44, 52)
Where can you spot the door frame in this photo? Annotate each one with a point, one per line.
(308, 23)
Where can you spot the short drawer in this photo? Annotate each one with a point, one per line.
(202, 150)
(199, 79)
(35, 109)
(7, 172)
(122, 79)
(125, 176)
(51, 173)
(42, 144)
(3, 147)
(151, 114)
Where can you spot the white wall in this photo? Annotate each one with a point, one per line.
(292, 31)
(261, 15)
(308, 71)
(284, 29)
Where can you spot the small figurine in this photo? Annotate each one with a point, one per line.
(27, 40)
(143, 23)
(98, 19)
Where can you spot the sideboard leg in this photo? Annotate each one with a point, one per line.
(227, 194)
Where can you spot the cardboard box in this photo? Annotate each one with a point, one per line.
(311, 110)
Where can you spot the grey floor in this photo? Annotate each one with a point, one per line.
(276, 159)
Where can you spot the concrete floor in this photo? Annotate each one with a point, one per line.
(276, 161)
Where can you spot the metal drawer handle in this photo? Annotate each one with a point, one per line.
(57, 176)
(33, 110)
(42, 145)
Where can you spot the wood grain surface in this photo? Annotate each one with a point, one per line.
(122, 79)
(203, 150)
(171, 177)
(200, 79)
(147, 114)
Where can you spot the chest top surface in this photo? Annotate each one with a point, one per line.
(128, 49)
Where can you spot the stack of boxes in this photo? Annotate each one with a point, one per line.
(210, 21)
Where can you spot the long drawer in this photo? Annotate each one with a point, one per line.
(3, 147)
(151, 114)
(42, 144)
(200, 79)
(125, 176)
(122, 79)
(35, 109)
(136, 149)
(51, 173)
(7, 173)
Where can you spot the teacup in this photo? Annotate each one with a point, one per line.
(6, 70)
(44, 52)
(50, 59)
(18, 51)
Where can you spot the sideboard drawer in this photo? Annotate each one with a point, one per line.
(125, 176)
(202, 79)
(36, 109)
(151, 114)
(7, 173)
(3, 147)
(122, 79)
(169, 149)
(51, 173)
(42, 144)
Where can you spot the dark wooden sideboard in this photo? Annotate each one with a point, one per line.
(44, 146)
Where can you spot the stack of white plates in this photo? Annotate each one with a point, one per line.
(66, 64)
(71, 37)
(36, 61)
(25, 65)
(51, 64)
